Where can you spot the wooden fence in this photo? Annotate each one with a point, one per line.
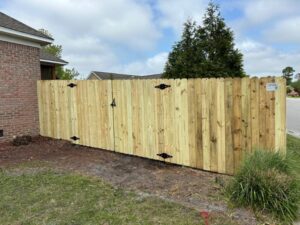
(203, 123)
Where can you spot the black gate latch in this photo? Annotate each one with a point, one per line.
(74, 138)
(162, 86)
(113, 104)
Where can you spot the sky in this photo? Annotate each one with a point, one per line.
(135, 36)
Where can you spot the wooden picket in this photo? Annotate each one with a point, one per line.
(203, 123)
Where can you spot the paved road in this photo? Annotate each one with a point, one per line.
(293, 120)
(293, 116)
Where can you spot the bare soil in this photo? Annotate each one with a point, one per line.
(190, 187)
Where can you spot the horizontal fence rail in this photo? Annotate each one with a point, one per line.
(203, 123)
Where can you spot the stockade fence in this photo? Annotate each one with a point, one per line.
(208, 124)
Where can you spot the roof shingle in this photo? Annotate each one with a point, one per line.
(45, 56)
(13, 24)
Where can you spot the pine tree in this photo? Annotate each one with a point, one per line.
(288, 73)
(181, 60)
(205, 51)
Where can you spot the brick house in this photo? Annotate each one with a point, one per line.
(22, 63)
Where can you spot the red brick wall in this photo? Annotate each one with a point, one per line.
(19, 71)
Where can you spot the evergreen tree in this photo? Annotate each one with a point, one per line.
(288, 73)
(205, 51)
(182, 60)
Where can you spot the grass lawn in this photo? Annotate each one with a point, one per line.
(48, 197)
(34, 194)
(293, 145)
(293, 148)
(30, 194)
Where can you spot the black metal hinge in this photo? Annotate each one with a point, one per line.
(164, 155)
(162, 86)
(71, 85)
(74, 138)
(113, 103)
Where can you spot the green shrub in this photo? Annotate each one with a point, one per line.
(267, 181)
(296, 86)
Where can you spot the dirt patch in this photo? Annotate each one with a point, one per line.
(190, 187)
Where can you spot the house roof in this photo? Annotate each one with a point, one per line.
(14, 27)
(45, 57)
(152, 76)
(118, 76)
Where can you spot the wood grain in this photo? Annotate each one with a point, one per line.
(204, 123)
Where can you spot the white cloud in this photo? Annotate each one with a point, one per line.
(122, 22)
(174, 13)
(261, 11)
(87, 55)
(94, 34)
(269, 21)
(117, 35)
(152, 65)
(262, 60)
(284, 31)
(260, 15)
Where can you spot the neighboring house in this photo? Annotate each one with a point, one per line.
(96, 75)
(21, 63)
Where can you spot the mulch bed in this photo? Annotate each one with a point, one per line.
(190, 187)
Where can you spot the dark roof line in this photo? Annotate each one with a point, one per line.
(13, 24)
(49, 58)
(119, 76)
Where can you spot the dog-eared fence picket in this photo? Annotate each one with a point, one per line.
(208, 124)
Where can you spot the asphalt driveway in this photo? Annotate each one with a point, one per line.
(293, 116)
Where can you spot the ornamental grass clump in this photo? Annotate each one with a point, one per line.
(267, 181)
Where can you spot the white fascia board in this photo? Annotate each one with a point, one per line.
(54, 62)
(18, 40)
(31, 37)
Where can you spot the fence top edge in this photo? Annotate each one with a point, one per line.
(171, 79)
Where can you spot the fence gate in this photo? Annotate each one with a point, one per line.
(151, 119)
(79, 111)
(203, 123)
